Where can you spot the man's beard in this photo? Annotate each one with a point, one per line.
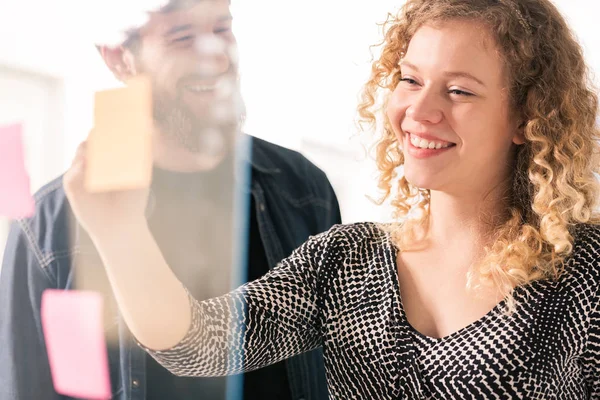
(209, 134)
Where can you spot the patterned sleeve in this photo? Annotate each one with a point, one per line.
(591, 355)
(258, 324)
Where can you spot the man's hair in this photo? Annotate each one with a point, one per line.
(132, 37)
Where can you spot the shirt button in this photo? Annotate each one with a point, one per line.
(135, 383)
(262, 208)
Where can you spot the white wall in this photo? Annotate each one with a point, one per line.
(45, 38)
(582, 15)
(303, 65)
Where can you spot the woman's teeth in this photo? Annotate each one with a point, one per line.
(427, 144)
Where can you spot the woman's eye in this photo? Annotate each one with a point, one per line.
(409, 81)
(460, 92)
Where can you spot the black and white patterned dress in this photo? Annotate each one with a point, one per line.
(340, 291)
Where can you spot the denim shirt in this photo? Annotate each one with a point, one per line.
(294, 200)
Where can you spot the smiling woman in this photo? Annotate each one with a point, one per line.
(516, 136)
(444, 99)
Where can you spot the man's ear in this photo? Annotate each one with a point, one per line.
(120, 61)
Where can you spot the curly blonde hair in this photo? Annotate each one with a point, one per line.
(553, 187)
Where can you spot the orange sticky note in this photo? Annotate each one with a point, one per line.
(74, 335)
(119, 148)
(15, 192)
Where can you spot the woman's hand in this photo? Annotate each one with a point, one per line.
(104, 214)
(150, 297)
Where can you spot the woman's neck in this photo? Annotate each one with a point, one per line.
(470, 218)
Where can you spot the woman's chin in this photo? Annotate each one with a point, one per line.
(421, 181)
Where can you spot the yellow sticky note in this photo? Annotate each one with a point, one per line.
(119, 148)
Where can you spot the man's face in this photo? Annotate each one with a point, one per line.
(190, 56)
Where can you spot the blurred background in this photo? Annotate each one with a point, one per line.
(302, 65)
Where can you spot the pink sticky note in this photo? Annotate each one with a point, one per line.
(73, 329)
(15, 194)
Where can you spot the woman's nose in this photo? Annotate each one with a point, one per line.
(425, 108)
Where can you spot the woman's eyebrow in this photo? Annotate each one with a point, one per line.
(462, 74)
(450, 74)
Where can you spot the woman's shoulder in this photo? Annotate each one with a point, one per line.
(342, 239)
(356, 233)
(581, 283)
(352, 254)
(585, 258)
(587, 241)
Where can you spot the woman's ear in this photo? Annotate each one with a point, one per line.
(519, 137)
(120, 61)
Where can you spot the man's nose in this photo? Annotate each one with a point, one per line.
(211, 55)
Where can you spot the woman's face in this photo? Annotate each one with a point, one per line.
(450, 111)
